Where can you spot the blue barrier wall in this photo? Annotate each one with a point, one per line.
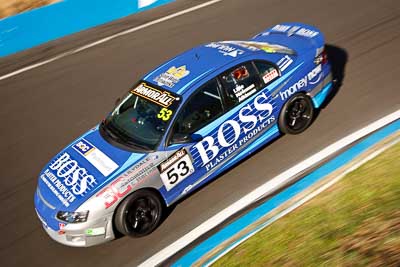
(44, 24)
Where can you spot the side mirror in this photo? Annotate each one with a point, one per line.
(196, 137)
(186, 138)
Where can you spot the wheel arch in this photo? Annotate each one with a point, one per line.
(151, 189)
(283, 108)
(315, 104)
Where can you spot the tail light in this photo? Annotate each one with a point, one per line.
(322, 58)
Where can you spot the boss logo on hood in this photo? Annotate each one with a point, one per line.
(76, 178)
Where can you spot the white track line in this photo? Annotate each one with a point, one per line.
(106, 39)
(306, 198)
(265, 189)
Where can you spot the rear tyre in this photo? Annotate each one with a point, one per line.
(139, 214)
(297, 114)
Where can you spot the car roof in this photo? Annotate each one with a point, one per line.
(182, 72)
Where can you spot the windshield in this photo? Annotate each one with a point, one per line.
(142, 117)
(264, 46)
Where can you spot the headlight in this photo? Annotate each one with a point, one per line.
(73, 216)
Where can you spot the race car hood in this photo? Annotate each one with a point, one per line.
(81, 170)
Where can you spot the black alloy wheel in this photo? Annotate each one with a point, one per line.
(297, 114)
(139, 214)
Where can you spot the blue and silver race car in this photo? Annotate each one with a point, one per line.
(178, 128)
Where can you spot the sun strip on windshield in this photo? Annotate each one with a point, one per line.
(162, 98)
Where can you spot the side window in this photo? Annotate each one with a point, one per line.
(240, 82)
(201, 109)
(268, 72)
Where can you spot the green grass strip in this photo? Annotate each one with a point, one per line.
(356, 222)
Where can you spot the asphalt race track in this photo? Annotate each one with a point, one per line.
(44, 109)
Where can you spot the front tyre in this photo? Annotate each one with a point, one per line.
(296, 115)
(139, 214)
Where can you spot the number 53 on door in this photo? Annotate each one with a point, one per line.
(178, 171)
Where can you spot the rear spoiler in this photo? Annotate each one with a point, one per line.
(300, 37)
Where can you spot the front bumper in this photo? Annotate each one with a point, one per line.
(82, 234)
(92, 232)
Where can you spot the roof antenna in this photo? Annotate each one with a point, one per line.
(197, 56)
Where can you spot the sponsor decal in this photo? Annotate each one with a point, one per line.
(284, 62)
(242, 93)
(290, 30)
(95, 156)
(303, 82)
(270, 75)
(281, 28)
(187, 189)
(307, 33)
(162, 98)
(225, 49)
(175, 169)
(126, 182)
(95, 231)
(70, 180)
(234, 133)
(312, 74)
(61, 226)
(172, 76)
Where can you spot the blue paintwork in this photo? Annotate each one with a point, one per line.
(243, 129)
(51, 22)
(122, 158)
(203, 62)
(321, 96)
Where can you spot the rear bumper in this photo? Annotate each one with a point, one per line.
(321, 92)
